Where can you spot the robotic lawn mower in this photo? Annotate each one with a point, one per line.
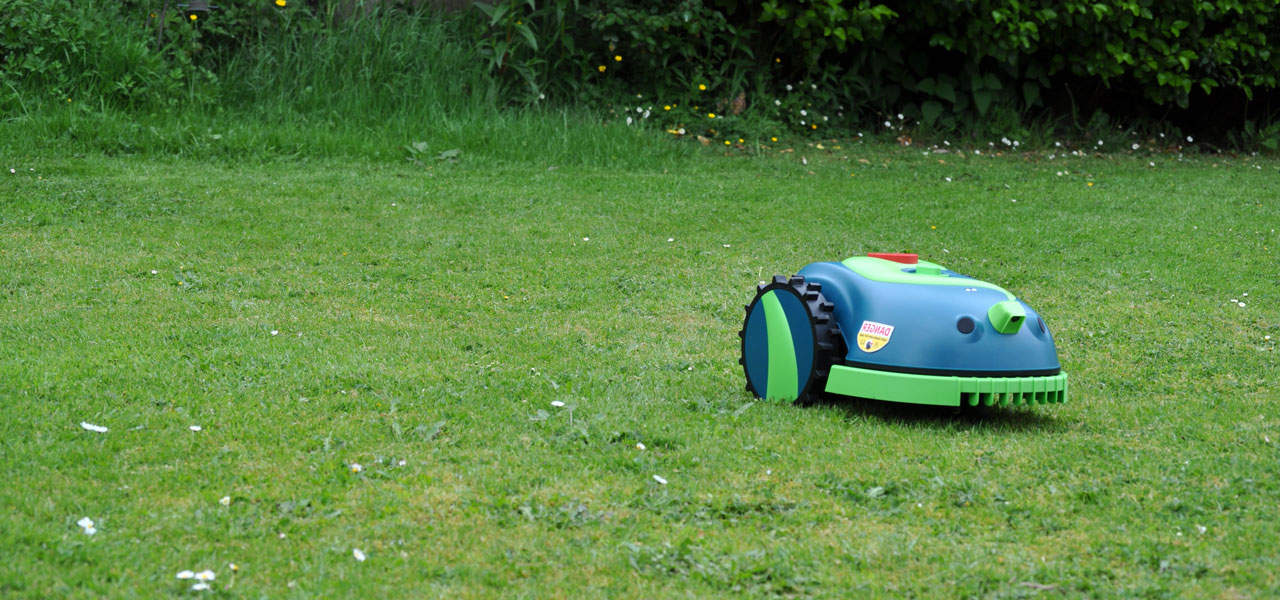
(895, 328)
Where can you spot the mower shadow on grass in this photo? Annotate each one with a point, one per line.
(968, 417)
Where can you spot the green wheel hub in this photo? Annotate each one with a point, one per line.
(789, 339)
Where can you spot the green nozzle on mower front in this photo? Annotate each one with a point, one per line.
(892, 327)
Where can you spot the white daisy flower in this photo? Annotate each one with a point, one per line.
(358, 554)
(188, 574)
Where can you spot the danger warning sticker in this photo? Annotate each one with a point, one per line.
(873, 336)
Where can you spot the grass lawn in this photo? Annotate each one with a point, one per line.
(313, 316)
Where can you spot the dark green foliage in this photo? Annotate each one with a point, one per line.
(944, 65)
(939, 62)
(57, 50)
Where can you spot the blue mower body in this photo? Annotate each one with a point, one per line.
(893, 327)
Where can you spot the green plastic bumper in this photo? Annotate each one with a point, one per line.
(945, 390)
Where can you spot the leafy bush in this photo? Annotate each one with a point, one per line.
(57, 49)
(757, 67)
(941, 62)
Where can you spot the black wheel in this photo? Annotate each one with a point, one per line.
(789, 340)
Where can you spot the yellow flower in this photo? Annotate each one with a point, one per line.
(777, 60)
(813, 126)
(667, 107)
(601, 68)
(726, 142)
(280, 3)
(193, 17)
(711, 115)
(740, 140)
(773, 139)
(702, 86)
(617, 58)
(933, 227)
(1090, 184)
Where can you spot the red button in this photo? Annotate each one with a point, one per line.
(906, 259)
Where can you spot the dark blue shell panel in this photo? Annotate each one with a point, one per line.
(930, 328)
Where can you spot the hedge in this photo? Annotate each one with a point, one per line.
(940, 61)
